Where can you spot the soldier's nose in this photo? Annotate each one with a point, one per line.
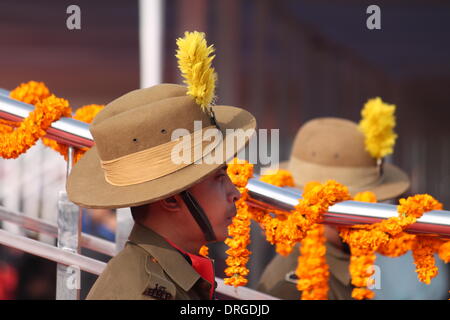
(236, 195)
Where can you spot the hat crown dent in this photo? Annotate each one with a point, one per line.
(331, 142)
(139, 97)
(143, 119)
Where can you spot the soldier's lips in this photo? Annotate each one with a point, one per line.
(233, 214)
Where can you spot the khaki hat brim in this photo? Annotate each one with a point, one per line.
(394, 182)
(87, 187)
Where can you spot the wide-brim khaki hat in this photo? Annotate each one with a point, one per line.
(333, 148)
(140, 121)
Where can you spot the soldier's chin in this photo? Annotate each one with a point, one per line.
(222, 235)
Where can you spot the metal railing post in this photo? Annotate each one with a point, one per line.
(69, 234)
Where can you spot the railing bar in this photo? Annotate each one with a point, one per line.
(38, 225)
(49, 252)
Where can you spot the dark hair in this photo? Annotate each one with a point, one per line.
(139, 212)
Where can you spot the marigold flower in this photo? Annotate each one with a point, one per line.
(30, 92)
(239, 230)
(32, 128)
(444, 252)
(312, 268)
(279, 178)
(204, 251)
(365, 196)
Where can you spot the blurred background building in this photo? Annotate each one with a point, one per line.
(286, 61)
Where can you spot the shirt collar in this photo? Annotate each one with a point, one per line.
(202, 265)
(169, 258)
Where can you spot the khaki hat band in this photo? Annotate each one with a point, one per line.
(352, 177)
(156, 162)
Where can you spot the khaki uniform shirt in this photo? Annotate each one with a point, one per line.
(279, 277)
(149, 268)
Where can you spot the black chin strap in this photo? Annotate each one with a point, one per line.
(199, 215)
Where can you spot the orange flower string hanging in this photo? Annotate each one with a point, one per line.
(239, 231)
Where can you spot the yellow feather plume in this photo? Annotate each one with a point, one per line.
(377, 124)
(194, 62)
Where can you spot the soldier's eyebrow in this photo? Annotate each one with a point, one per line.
(222, 169)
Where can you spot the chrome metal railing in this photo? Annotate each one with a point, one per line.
(76, 133)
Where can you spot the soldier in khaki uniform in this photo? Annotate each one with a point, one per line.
(177, 206)
(331, 148)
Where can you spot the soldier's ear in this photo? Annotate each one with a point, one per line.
(172, 203)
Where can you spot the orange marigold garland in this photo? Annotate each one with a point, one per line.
(362, 257)
(444, 252)
(361, 260)
(284, 230)
(239, 231)
(31, 92)
(423, 253)
(424, 247)
(33, 127)
(86, 114)
(307, 213)
(302, 224)
(204, 251)
(388, 237)
(312, 268)
(310, 185)
(366, 196)
(7, 126)
(272, 225)
(37, 93)
(279, 178)
(398, 245)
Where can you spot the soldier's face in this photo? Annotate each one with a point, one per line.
(217, 196)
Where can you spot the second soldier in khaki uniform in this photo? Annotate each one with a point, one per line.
(331, 148)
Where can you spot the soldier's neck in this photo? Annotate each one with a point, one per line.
(177, 236)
